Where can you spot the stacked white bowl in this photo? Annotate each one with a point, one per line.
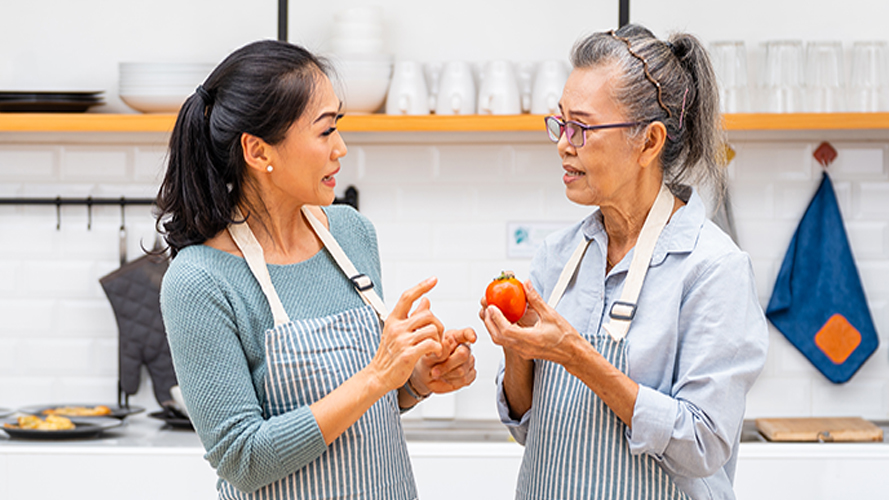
(159, 87)
(362, 66)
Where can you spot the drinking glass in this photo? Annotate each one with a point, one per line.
(782, 82)
(729, 59)
(869, 80)
(825, 86)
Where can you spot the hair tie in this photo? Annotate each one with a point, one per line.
(204, 95)
(671, 47)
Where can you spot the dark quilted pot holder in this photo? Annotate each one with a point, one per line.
(134, 293)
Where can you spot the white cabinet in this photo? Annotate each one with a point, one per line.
(139, 461)
(465, 471)
(143, 460)
(813, 471)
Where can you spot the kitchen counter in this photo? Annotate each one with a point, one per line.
(142, 459)
(145, 459)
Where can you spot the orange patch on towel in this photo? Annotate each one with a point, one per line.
(838, 339)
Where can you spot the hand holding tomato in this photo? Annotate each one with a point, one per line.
(508, 294)
(541, 334)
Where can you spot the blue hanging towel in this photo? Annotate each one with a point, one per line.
(818, 302)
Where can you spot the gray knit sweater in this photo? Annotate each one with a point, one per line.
(216, 317)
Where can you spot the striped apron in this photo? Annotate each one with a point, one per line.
(576, 446)
(306, 360)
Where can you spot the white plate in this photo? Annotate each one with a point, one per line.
(154, 103)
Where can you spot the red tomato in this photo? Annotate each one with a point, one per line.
(507, 293)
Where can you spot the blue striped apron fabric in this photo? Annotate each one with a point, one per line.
(577, 446)
(306, 360)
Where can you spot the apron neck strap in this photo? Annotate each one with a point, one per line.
(246, 242)
(362, 283)
(624, 310)
(253, 254)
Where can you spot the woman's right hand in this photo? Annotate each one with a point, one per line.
(407, 336)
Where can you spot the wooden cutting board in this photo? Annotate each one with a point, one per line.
(814, 429)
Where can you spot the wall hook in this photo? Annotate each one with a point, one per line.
(89, 213)
(123, 213)
(825, 154)
(58, 213)
(122, 233)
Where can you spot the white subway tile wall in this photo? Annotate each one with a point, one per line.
(440, 208)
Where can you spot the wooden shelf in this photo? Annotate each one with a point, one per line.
(806, 121)
(85, 122)
(97, 122)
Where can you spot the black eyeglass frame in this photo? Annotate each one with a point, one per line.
(583, 127)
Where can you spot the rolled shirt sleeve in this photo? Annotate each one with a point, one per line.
(517, 428)
(694, 427)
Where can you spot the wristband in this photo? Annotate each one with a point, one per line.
(412, 392)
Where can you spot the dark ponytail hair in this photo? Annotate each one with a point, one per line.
(694, 150)
(260, 89)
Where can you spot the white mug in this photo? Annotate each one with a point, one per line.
(547, 90)
(408, 94)
(456, 90)
(499, 90)
(432, 71)
(525, 74)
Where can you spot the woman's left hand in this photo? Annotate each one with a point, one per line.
(450, 371)
(551, 338)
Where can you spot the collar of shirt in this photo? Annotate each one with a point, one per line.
(679, 236)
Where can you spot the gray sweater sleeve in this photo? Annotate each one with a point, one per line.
(246, 450)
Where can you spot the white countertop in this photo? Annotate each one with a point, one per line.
(142, 434)
(148, 460)
(138, 434)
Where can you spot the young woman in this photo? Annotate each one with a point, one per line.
(291, 378)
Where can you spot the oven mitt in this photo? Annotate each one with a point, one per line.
(818, 302)
(134, 293)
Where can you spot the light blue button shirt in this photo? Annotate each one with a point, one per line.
(695, 347)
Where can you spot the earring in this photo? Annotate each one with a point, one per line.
(270, 168)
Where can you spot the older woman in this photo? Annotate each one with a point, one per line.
(630, 380)
(291, 381)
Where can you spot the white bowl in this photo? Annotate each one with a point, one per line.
(154, 103)
(137, 67)
(364, 95)
(357, 30)
(141, 91)
(362, 80)
(161, 78)
(357, 45)
(362, 14)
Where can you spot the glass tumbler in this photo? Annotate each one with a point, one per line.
(782, 76)
(825, 85)
(729, 59)
(869, 80)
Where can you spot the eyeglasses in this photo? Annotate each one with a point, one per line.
(576, 132)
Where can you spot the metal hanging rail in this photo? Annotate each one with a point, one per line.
(350, 197)
(89, 201)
